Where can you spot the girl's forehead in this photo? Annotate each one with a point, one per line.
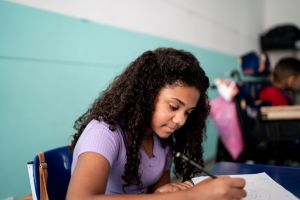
(179, 85)
(188, 94)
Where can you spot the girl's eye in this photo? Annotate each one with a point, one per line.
(173, 108)
(187, 114)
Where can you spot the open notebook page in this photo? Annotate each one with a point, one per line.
(260, 187)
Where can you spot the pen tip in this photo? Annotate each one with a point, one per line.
(178, 154)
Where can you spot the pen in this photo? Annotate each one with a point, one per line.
(193, 163)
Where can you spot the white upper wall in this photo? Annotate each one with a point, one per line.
(226, 26)
(230, 26)
(279, 12)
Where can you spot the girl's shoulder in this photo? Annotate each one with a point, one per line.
(101, 131)
(99, 138)
(100, 125)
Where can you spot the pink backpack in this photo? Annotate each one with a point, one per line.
(224, 115)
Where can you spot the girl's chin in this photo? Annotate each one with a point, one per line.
(164, 135)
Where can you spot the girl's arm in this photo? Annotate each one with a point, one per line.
(90, 177)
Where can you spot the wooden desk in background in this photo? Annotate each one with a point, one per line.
(280, 112)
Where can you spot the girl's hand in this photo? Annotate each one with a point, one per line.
(222, 188)
(173, 187)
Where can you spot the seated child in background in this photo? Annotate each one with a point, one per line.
(285, 80)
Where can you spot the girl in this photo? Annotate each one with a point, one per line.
(125, 142)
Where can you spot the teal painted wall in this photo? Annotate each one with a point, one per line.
(51, 69)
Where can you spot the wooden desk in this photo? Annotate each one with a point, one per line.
(280, 112)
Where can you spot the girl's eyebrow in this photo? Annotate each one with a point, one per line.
(182, 103)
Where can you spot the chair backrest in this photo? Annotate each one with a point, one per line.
(59, 162)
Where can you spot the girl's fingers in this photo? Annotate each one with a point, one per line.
(173, 187)
(238, 183)
(182, 186)
(238, 193)
(237, 188)
(189, 183)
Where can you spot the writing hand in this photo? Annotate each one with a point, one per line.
(223, 188)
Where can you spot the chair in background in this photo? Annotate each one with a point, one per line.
(58, 162)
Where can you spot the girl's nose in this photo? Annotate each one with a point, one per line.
(179, 119)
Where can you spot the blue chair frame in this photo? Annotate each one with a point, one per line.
(59, 162)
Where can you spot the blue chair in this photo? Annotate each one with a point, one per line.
(59, 162)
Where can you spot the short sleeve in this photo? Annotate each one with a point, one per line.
(98, 138)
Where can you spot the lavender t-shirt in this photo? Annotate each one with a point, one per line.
(97, 137)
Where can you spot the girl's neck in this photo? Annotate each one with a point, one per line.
(147, 145)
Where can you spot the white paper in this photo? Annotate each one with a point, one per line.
(260, 187)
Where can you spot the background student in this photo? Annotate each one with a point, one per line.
(285, 81)
(126, 141)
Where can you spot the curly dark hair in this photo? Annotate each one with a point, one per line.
(129, 100)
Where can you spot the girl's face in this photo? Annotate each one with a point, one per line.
(173, 105)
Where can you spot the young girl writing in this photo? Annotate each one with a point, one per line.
(126, 142)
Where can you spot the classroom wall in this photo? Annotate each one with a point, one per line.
(278, 12)
(230, 26)
(52, 67)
